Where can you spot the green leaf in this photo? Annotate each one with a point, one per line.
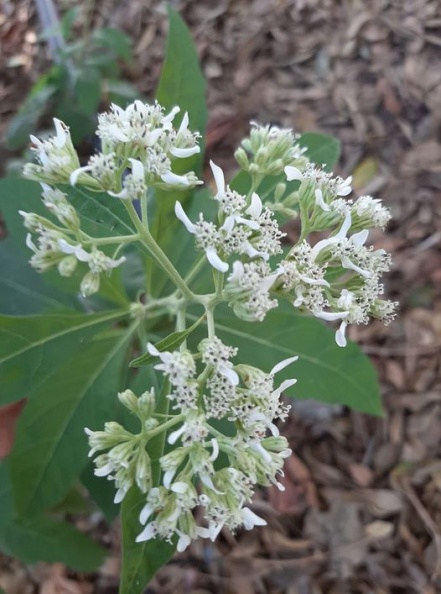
(117, 41)
(25, 122)
(22, 289)
(324, 371)
(88, 90)
(171, 343)
(181, 84)
(102, 492)
(32, 347)
(322, 149)
(140, 560)
(50, 449)
(43, 538)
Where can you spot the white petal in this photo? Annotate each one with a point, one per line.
(293, 173)
(268, 281)
(148, 533)
(253, 253)
(284, 386)
(319, 200)
(238, 272)
(175, 435)
(315, 281)
(124, 194)
(115, 263)
(137, 169)
(31, 245)
(153, 350)
(168, 477)
(179, 487)
(75, 174)
(181, 215)
(182, 153)
(184, 124)
(170, 117)
(104, 470)
(255, 208)
(258, 447)
(219, 178)
(215, 261)
(171, 178)
(360, 237)
(77, 250)
(331, 316)
(345, 227)
(183, 542)
(251, 224)
(119, 495)
(340, 337)
(215, 452)
(283, 364)
(347, 263)
(321, 245)
(146, 512)
(228, 224)
(250, 519)
(230, 374)
(61, 137)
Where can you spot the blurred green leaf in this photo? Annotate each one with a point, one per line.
(88, 90)
(26, 120)
(115, 40)
(322, 149)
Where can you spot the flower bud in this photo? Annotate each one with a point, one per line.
(67, 266)
(90, 284)
(241, 157)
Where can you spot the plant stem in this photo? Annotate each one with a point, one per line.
(147, 239)
(109, 240)
(162, 428)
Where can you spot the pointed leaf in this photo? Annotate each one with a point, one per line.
(171, 343)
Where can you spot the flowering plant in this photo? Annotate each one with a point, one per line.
(196, 430)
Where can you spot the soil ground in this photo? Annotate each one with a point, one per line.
(362, 510)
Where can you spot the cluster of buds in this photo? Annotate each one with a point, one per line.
(59, 246)
(193, 475)
(268, 150)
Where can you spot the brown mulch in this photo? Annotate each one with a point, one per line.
(362, 508)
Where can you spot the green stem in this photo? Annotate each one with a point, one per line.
(147, 239)
(109, 240)
(165, 426)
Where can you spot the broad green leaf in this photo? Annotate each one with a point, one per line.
(43, 538)
(171, 343)
(322, 149)
(324, 371)
(88, 90)
(24, 291)
(140, 560)
(181, 84)
(50, 449)
(32, 347)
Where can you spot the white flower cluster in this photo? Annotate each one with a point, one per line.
(193, 474)
(59, 246)
(140, 138)
(248, 231)
(338, 278)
